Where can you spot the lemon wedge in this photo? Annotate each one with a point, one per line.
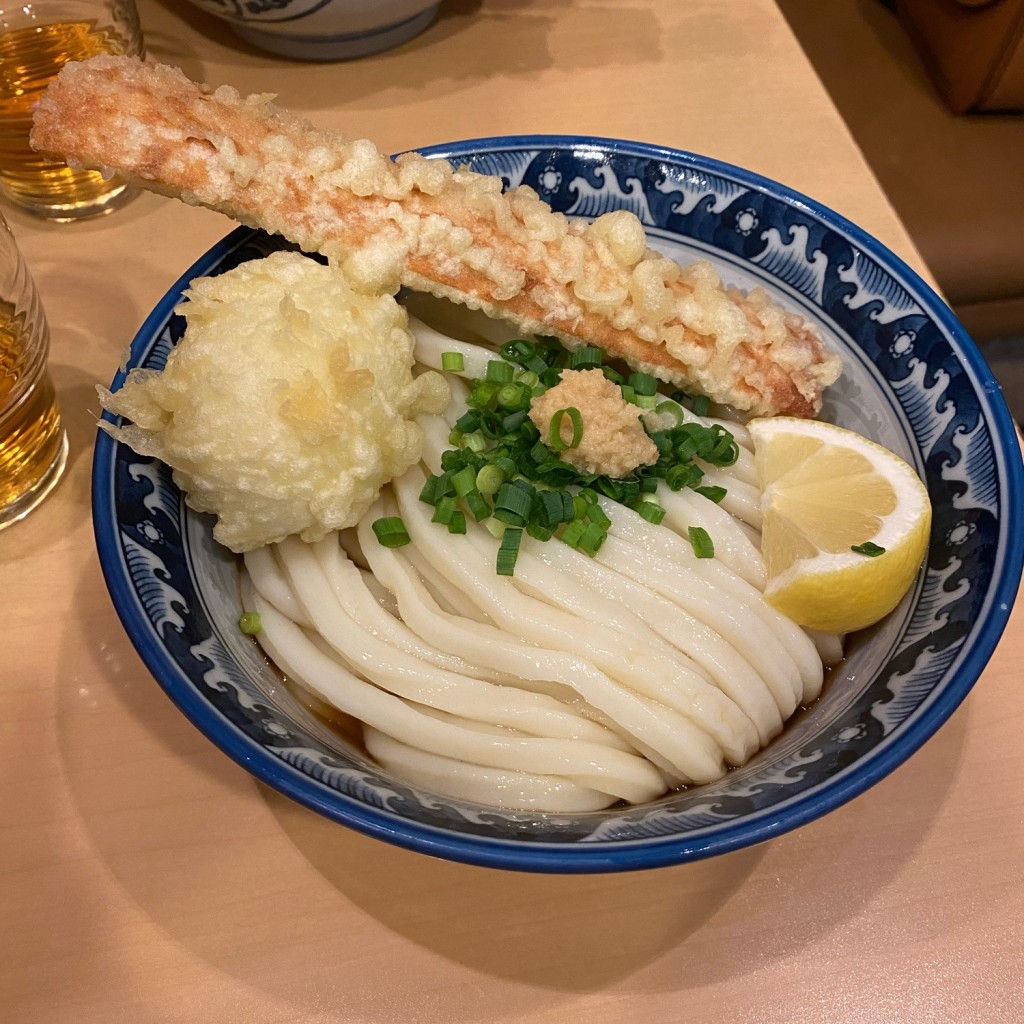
(845, 527)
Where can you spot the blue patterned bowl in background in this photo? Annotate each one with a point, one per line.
(324, 29)
(913, 381)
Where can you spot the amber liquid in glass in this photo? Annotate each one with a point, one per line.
(29, 59)
(31, 440)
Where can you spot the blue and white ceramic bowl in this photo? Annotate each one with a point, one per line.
(913, 380)
(324, 29)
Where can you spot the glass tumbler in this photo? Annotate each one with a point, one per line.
(37, 38)
(33, 445)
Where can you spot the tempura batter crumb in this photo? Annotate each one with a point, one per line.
(287, 405)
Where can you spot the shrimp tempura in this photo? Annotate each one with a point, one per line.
(455, 234)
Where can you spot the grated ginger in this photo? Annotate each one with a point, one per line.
(614, 441)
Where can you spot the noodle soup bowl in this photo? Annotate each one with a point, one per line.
(324, 30)
(912, 380)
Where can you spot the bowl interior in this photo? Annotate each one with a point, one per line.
(912, 381)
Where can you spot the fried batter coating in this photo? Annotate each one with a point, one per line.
(454, 234)
(287, 405)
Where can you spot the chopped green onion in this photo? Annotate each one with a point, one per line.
(433, 489)
(484, 391)
(712, 493)
(701, 404)
(651, 511)
(662, 441)
(452, 460)
(495, 527)
(514, 396)
(518, 350)
(702, 545)
(568, 507)
(552, 510)
(391, 532)
(588, 357)
(643, 383)
(683, 475)
(539, 532)
(670, 409)
(475, 442)
(592, 538)
(250, 624)
(505, 473)
(572, 533)
(597, 515)
(489, 479)
(477, 504)
(868, 548)
(468, 421)
(555, 429)
(464, 481)
(508, 552)
(499, 372)
(443, 511)
(505, 464)
(523, 485)
(614, 489)
(452, 362)
(512, 505)
(514, 420)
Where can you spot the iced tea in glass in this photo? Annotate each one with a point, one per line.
(37, 39)
(33, 445)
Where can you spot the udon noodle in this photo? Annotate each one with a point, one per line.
(579, 682)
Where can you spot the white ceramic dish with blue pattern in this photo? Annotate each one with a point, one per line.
(324, 29)
(912, 380)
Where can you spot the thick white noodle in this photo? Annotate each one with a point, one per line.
(371, 650)
(698, 608)
(656, 669)
(432, 344)
(649, 727)
(654, 545)
(743, 468)
(623, 775)
(828, 645)
(733, 547)
(489, 647)
(512, 789)
(263, 566)
(743, 500)
(696, 756)
(384, 598)
(718, 659)
(340, 575)
(445, 593)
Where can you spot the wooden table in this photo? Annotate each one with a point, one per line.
(144, 877)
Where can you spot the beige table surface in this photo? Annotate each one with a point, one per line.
(145, 877)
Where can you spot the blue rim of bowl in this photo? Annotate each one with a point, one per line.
(610, 856)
